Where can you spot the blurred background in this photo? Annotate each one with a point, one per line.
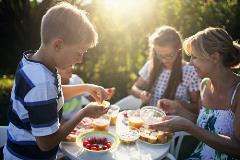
(123, 27)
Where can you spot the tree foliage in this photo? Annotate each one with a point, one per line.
(123, 31)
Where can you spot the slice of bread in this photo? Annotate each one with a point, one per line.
(152, 139)
(71, 138)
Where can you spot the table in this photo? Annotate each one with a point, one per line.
(138, 151)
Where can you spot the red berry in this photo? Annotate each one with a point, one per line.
(94, 140)
(100, 148)
(88, 146)
(125, 114)
(109, 145)
(85, 142)
(94, 148)
(89, 140)
(104, 147)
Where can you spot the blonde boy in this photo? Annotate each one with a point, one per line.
(34, 130)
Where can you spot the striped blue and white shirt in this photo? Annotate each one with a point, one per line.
(35, 110)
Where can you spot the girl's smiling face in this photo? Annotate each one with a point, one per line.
(203, 66)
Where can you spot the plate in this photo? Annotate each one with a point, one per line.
(151, 114)
(100, 139)
(155, 144)
(155, 137)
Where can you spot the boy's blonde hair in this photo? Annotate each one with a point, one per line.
(210, 40)
(68, 23)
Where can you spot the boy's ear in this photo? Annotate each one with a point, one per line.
(216, 57)
(58, 44)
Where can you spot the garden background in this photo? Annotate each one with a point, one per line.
(123, 27)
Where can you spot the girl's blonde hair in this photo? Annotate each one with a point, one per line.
(165, 36)
(69, 23)
(211, 40)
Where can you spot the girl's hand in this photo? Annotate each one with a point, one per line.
(145, 97)
(110, 91)
(172, 124)
(97, 92)
(169, 106)
(94, 111)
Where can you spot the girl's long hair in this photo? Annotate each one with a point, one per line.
(165, 36)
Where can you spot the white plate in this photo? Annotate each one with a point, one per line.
(155, 144)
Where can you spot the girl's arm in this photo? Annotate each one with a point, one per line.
(193, 105)
(138, 87)
(138, 90)
(98, 92)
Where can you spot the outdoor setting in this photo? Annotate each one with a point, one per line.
(120, 79)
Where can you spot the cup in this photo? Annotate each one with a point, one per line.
(113, 113)
(135, 121)
(102, 123)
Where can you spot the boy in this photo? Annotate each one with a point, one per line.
(34, 131)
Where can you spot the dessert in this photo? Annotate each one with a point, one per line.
(129, 136)
(155, 137)
(102, 123)
(96, 143)
(113, 112)
(152, 139)
(70, 138)
(86, 123)
(135, 122)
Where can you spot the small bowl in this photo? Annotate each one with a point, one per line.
(151, 114)
(129, 136)
(99, 139)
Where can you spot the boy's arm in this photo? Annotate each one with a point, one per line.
(46, 143)
(42, 104)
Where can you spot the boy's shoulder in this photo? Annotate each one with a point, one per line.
(35, 71)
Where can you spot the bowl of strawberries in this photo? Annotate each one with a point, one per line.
(97, 141)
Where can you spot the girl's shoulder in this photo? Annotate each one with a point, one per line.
(187, 66)
(189, 70)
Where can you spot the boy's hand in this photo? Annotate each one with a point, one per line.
(97, 92)
(94, 111)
